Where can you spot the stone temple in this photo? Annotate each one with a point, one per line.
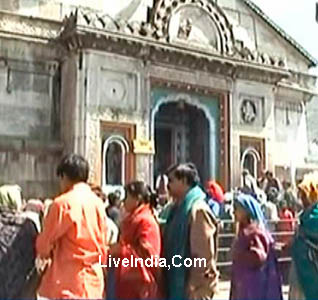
(137, 85)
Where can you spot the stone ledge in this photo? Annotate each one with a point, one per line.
(31, 27)
(27, 145)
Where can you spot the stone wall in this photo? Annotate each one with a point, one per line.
(28, 109)
(287, 131)
(40, 8)
(115, 93)
(31, 165)
(57, 9)
(312, 119)
(261, 128)
(30, 146)
(294, 121)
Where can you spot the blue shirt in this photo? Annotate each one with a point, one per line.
(215, 207)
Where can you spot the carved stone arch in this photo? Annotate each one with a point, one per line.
(166, 9)
(256, 158)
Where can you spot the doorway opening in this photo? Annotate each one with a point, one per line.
(181, 135)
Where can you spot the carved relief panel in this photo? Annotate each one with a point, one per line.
(192, 25)
(251, 110)
(117, 89)
(195, 22)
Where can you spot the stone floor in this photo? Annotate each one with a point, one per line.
(224, 291)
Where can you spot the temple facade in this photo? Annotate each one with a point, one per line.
(139, 85)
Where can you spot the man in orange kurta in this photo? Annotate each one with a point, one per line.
(74, 237)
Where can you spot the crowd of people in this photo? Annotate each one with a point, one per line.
(87, 241)
(279, 202)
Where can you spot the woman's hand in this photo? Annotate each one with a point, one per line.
(42, 264)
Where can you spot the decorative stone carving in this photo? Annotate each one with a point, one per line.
(251, 110)
(194, 27)
(204, 19)
(115, 90)
(191, 23)
(245, 49)
(244, 52)
(185, 29)
(248, 111)
(303, 80)
(193, 20)
(114, 87)
(284, 104)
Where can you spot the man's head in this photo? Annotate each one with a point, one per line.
(269, 174)
(181, 178)
(114, 199)
(283, 204)
(286, 184)
(308, 189)
(72, 169)
(272, 194)
(245, 172)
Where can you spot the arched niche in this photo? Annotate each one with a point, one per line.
(250, 160)
(115, 149)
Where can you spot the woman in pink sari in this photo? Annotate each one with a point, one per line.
(255, 274)
(140, 239)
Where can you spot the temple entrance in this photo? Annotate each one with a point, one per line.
(181, 135)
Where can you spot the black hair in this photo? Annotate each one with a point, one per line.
(187, 171)
(142, 192)
(246, 190)
(272, 194)
(245, 172)
(113, 198)
(74, 166)
(269, 173)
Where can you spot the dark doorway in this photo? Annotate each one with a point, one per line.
(181, 135)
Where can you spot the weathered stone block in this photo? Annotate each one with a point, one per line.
(14, 144)
(118, 89)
